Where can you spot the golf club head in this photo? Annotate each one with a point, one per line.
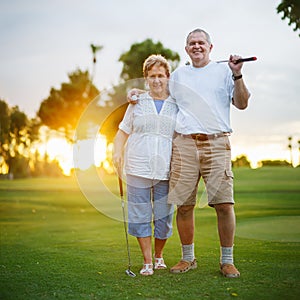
(130, 273)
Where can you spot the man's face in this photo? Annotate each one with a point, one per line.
(197, 47)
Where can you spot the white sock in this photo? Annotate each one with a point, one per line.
(226, 255)
(188, 252)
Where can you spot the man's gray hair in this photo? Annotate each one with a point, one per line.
(198, 30)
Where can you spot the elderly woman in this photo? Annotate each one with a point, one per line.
(148, 128)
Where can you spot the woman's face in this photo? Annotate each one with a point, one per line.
(158, 80)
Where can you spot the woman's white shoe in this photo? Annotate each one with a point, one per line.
(147, 270)
(159, 263)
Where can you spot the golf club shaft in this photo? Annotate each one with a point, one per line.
(253, 58)
(121, 186)
(124, 219)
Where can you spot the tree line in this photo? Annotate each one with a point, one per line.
(18, 137)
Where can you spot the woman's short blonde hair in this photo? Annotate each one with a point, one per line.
(155, 59)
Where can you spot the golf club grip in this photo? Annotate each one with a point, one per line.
(245, 59)
(120, 186)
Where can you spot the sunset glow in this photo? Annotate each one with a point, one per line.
(89, 152)
(81, 155)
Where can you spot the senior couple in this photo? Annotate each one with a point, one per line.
(174, 134)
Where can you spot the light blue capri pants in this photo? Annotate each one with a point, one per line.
(147, 202)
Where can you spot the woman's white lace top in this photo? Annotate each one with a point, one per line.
(149, 145)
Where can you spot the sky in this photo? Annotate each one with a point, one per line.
(42, 41)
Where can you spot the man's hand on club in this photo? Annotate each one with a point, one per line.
(235, 68)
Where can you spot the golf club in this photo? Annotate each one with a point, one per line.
(240, 60)
(128, 271)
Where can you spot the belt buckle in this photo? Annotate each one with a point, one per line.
(201, 137)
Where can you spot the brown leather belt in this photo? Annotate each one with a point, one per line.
(205, 137)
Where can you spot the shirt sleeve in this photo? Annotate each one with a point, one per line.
(126, 123)
(172, 83)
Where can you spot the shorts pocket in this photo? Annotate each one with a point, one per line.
(229, 173)
(227, 144)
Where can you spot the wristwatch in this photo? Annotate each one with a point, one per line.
(236, 77)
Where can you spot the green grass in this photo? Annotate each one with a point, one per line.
(56, 245)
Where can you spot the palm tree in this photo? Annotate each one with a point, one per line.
(94, 49)
(299, 152)
(291, 150)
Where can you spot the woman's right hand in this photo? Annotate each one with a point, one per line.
(117, 159)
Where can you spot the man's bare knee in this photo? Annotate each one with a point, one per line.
(224, 208)
(185, 210)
